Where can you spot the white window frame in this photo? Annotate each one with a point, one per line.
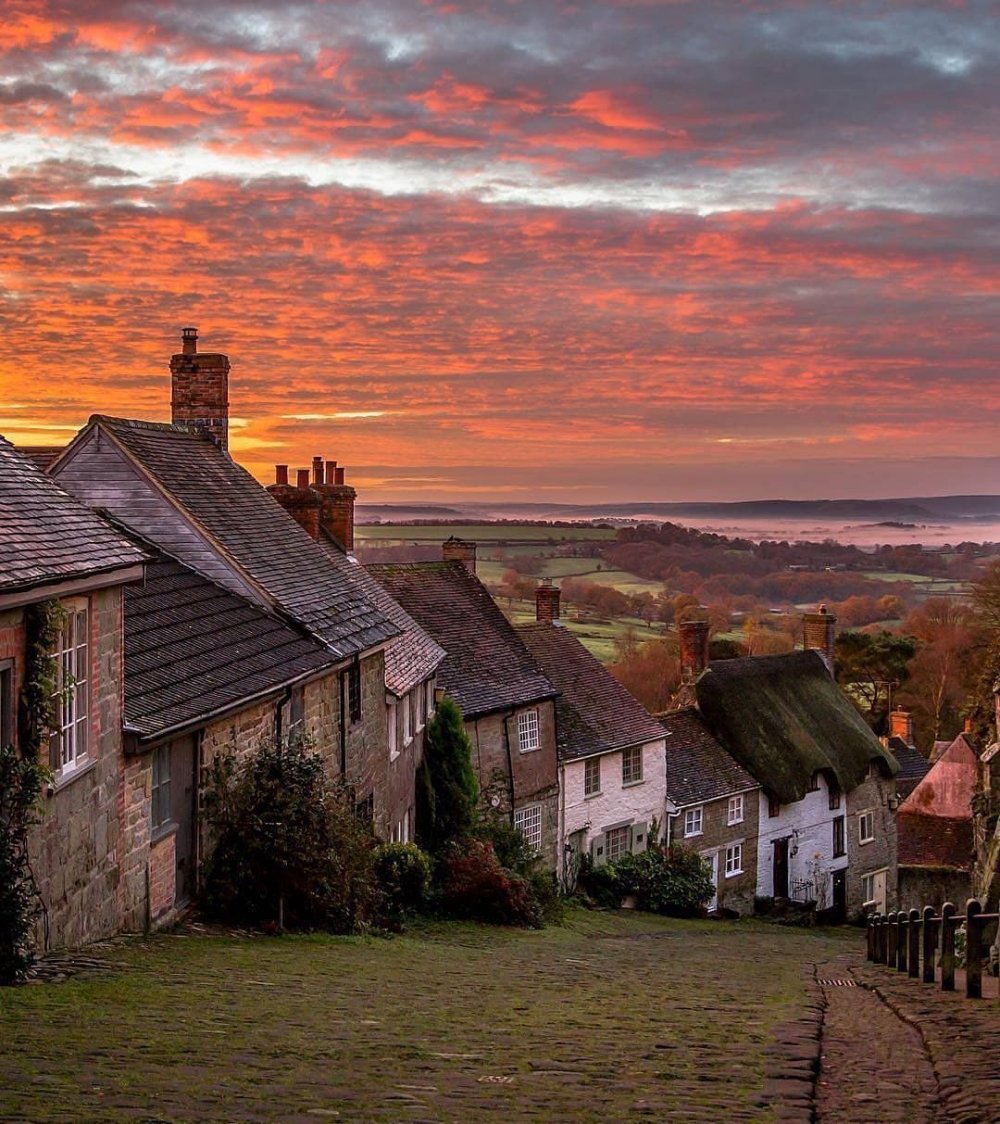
(866, 819)
(406, 703)
(527, 731)
(69, 741)
(694, 822)
(734, 860)
(419, 706)
(589, 789)
(392, 731)
(160, 790)
(734, 813)
(868, 898)
(632, 775)
(430, 686)
(528, 821)
(617, 842)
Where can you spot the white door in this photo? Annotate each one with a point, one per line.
(880, 891)
(712, 858)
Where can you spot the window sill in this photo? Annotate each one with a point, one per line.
(733, 873)
(529, 749)
(734, 823)
(164, 831)
(592, 795)
(632, 784)
(394, 755)
(693, 835)
(865, 842)
(64, 780)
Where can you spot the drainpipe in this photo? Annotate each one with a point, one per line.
(510, 762)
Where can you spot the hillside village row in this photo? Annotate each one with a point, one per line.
(205, 614)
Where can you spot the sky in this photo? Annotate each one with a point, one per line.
(535, 251)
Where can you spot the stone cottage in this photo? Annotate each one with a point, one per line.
(506, 700)
(88, 853)
(610, 749)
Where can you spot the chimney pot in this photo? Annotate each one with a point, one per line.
(547, 601)
(281, 474)
(317, 470)
(338, 477)
(189, 341)
(819, 630)
(302, 478)
(901, 725)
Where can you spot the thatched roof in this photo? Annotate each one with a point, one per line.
(784, 718)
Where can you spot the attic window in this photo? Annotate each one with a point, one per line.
(834, 798)
(813, 783)
(773, 807)
(693, 821)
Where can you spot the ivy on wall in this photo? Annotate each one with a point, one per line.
(39, 701)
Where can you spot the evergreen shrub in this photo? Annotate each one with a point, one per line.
(670, 880)
(403, 875)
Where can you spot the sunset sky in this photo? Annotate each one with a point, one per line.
(579, 251)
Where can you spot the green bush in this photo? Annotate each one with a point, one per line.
(516, 854)
(21, 781)
(289, 847)
(403, 875)
(673, 881)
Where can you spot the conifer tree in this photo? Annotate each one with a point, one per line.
(447, 792)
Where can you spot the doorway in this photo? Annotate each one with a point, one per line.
(839, 904)
(780, 868)
(182, 812)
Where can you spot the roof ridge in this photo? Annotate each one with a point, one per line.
(142, 423)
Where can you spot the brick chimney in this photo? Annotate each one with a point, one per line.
(547, 601)
(199, 389)
(460, 550)
(337, 500)
(694, 648)
(901, 725)
(818, 631)
(298, 499)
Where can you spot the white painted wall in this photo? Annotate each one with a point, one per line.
(616, 804)
(808, 826)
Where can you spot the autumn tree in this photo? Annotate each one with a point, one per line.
(650, 670)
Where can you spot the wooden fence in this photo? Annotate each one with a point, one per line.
(909, 942)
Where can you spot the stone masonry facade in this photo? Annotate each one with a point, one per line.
(877, 795)
(735, 891)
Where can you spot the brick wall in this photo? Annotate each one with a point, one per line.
(162, 877)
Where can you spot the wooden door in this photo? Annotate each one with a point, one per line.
(182, 812)
(780, 868)
(839, 896)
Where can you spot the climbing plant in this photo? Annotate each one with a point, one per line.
(23, 775)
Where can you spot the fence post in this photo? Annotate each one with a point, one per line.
(870, 935)
(930, 943)
(890, 942)
(901, 941)
(948, 924)
(883, 940)
(973, 950)
(913, 942)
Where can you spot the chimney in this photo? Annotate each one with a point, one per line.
(547, 601)
(337, 499)
(460, 550)
(818, 631)
(901, 725)
(694, 648)
(968, 725)
(300, 501)
(199, 389)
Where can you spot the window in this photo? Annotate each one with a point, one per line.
(527, 731)
(528, 822)
(592, 776)
(419, 707)
(160, 810)
(868, 889)
(866, 827)
(838, 837)
(834, 799)
(617, 842)
(632, 765)
(291, 716)
(68, 741)
(6, 702)
(407, 705)
(734, 813)
(354, 691)
(773, 807)
(734, 860)
(391, 717)
(813, 783)
(430, 696)
(693, 819)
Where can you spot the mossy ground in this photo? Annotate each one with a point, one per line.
(608, 1017)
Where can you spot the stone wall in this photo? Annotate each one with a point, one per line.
(877, 794)
(134, 814)
(368, 741)
(77, 847)
(928, 885)
(737, 891)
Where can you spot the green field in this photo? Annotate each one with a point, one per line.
(598, 636)
(609, 1017)
(514, 533)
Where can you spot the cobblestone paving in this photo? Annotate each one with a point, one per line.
(610, 1017)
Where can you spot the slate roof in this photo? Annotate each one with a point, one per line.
(913, 766)
(193, 649)
(41, 455)
(317, 589)
(699, 769)
(487, 666)
(46, 535)
(594, 712)
(784, 719)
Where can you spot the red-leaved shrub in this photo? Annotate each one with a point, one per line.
(476, 887)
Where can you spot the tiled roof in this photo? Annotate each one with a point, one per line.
(784, 719)
(595, 713)
(41, 455)
(698, 768)
(47, 536)
(487, 666)
(947, 789)
(913, 766)
(317, 589)
(193, 648)
(937, 841)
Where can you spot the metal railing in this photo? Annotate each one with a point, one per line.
(910, 942)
